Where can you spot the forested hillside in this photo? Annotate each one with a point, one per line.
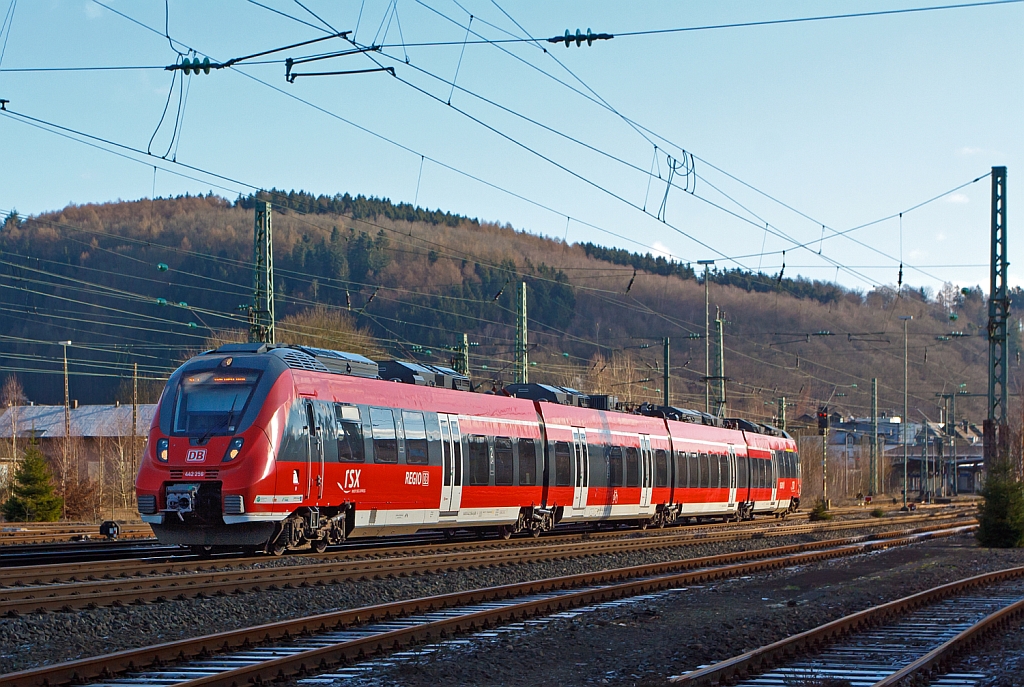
(148, 281)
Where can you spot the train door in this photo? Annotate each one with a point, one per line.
(581, 463)
(732, 476)
(451, 465)
(646, 470)
(314, 451)
(773, 469)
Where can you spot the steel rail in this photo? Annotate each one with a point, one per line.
(615, 584)
(766, 657)
(68, 596)
(70, 572)
(945, 653)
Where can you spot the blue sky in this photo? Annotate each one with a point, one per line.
(845, 121)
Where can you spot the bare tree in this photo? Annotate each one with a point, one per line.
(120, 463)
(11, 397)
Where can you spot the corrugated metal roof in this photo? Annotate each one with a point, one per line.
(86, 421)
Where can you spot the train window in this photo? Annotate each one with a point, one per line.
(680, 478)
(632, 467)
(350, 434)
(741, 472)
(705, 471)
(726, 472)
(713, 470)
(503, 468)
(762, 473)
(446, 446)
(527, 462)
(457, 445)
(415, 438)
(694, 470)
(479, 460)
(615, 466)
(563, 464)
(660, 468)
(213, 402)
(385, 438)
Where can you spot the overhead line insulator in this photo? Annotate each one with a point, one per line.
(589, 37)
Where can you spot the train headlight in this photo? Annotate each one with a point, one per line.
(234, 448)
(162, 449)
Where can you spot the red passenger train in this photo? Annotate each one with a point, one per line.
(274, 447)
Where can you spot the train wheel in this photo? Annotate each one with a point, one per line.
(644, 524)
(505, 532)
(201, 551)
(277, 549)
(535, 532)
(320, 545)
(449, 533)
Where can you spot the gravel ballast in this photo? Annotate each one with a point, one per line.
(642, 643)
(33, 640)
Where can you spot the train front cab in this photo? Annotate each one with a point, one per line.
(209, 453)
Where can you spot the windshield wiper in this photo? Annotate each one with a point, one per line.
(208, 433)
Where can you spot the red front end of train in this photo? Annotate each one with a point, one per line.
(280, 447)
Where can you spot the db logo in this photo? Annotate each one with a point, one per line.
(195, 455)
(351, 480)
(418, 478)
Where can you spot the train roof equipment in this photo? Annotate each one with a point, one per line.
(423, 374)
(561, 395)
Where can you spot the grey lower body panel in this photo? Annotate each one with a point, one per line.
(241, 534)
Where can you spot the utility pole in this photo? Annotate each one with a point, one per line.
(996, 431)
(873, 463)
(951, 419)
(823, 427)
(135, 421)
(261, 321)
(67, 426)
(720, 399)
(707, 337)
(668, 376)
(522, 373)
(949, 408)
(781, 421)
(906, 319)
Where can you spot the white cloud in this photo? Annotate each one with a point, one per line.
(958, 198)
(940, 236)
(92, 10)
(661, 249)
(969, 150)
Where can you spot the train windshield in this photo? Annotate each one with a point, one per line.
(209, 403)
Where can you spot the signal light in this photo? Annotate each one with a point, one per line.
(823, 420)
(161, 449)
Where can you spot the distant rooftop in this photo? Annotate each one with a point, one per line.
(86, 421)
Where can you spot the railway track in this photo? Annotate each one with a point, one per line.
(912, 638)
(326, 642)
(31, 590)
(21, 533)
(71, 568)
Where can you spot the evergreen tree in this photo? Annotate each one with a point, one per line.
(33, 498)
(1001, 515)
